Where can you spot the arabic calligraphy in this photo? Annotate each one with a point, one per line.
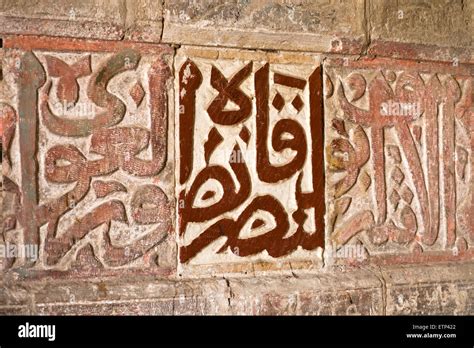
(250, 159)
(89, 184)
(413, 195)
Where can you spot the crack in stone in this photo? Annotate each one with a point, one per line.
(231, 293)
(366, 24)
(163, 21)
(379, 275)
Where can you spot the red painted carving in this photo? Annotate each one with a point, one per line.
(403, 127)
(76, 179)
(219, 197)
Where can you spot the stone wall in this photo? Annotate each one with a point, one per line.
(237, 157)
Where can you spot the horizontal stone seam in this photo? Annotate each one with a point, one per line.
(84, 19)
(232, 296)
(134, 300)
(31, 303)
(164, 299)
(22, 306)
(364, 53)
(172, 282)
(27, 285)
(447, 282)
(323, 54)
(266, 30)
(255, 49)
(79, 22)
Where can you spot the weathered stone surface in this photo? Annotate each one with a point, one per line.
(317, 26)
(87, 148)
(98, 19)
(139, 297)
(422, 29)
(420, 291)
(409, 289)
(436, 22)
(144, 20)
(172, 306)
(11, 295)
(145, 307)
(400, 50)
(90, 174)
(399, 161)
(14, 310)
(125, 289)
(142, 295)
(355, 292)
(248, 203)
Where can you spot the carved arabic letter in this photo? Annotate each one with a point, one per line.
(266, 171)
(32, 77)
(190, 78)
(229, 91)
(97, 92)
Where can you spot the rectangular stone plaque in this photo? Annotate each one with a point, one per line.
(87, 161)
(249, 177)
(304, 25)
(399, 159)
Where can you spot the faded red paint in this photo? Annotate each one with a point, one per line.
(412, 51)
(420, 207)
(142, 206)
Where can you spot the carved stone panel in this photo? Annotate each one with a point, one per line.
(249, 177)
(87, 157)
(399, 159)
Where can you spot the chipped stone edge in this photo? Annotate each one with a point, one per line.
(176, 33)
